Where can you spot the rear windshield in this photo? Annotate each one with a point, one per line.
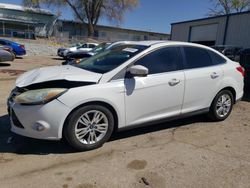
(110, 59)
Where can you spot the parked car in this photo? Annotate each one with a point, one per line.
(7, 48)
(134, 84)
(18, 49)
(86, 47)
(77, 57)
(6, 56)
(232, 52)
(245, 58)
(83, 54)
(62, 49)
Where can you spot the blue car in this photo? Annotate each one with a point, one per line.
(18, 49)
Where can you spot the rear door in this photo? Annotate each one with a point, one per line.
(203, 78)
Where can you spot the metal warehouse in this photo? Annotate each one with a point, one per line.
(72, 29)
(232, 29)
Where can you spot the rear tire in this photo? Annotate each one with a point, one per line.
(14, 54)
(222, 106)
(89, 127)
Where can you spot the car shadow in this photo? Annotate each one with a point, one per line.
(57, 58)
(4, 64)
(19, 57)
(12, 143)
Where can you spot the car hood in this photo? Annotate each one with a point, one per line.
(67, 72)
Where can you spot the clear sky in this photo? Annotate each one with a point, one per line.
(153, 15)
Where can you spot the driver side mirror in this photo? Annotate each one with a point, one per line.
(138, 70)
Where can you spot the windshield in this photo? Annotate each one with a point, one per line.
(110, 59)
(101, 47)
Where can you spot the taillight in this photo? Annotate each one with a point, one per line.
(22, 46)
(241, 70)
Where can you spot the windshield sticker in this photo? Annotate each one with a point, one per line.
(132, 50)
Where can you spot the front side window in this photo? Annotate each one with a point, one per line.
(110, 59)
(197, 57)
(83, 46)
(162, 60)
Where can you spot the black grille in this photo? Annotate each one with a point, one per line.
(15, 120)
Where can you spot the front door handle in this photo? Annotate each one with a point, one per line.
(174, 82)
(214, 75)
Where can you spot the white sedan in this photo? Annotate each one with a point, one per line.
(137, 83)
(86, 47)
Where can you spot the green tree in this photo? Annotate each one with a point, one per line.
(222, 7)
(90, 11)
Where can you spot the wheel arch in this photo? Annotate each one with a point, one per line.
(101, 103)
(232, 90)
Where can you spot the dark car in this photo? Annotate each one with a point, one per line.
(245, 58)
(18, 49)
(60, 51)
(232, 52)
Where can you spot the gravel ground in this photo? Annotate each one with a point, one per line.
(191, 152)
(40, 49)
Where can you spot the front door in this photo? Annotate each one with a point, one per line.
(158, 95)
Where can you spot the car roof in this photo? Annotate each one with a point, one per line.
(5, 40)
(8, 41)
(162, 43)
(144, 43)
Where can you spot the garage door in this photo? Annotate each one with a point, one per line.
(204, 33)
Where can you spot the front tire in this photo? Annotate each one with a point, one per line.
(222, 106)
(89, 127)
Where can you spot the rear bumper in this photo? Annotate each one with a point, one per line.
(20, 52)
(239, 97)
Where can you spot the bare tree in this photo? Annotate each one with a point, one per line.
(90, 11)
(222, 7)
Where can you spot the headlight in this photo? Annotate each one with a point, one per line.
(39, 96)
(78, 61)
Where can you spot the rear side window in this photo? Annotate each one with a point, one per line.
(162, 60)
(197, 57)
(91, 46)
(217, 59)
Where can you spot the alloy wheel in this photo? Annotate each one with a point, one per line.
(91, 127)
(223, 105)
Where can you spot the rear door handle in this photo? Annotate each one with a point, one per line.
(174, 82)
(214, 75)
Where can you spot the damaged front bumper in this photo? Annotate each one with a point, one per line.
(38, 121)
